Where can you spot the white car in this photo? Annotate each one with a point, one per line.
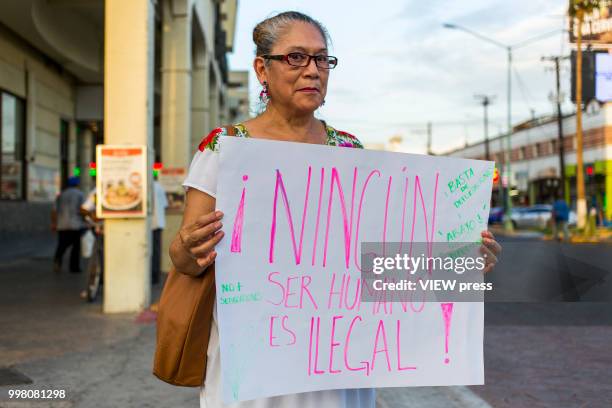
(536, 216)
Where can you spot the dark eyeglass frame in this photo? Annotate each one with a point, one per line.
(332, 61)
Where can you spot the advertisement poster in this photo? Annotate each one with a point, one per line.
(596, 27)
(121, 185)
(171, 179)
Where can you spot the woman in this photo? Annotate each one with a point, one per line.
(292, 64)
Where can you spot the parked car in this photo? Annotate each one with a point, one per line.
(496, 215)
(536, 216)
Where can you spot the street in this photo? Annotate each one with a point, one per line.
(544, 354)
(533, 270)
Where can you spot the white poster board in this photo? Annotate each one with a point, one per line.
(288, 320)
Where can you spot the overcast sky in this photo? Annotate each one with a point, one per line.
(399, 68)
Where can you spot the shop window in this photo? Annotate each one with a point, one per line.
(12, 140)
(538, 150)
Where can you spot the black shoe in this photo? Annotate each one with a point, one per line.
(76, 271)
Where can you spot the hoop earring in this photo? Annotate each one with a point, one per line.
(264, 96)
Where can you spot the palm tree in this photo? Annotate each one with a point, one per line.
(577, 10)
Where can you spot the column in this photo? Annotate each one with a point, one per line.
(128, 117)
(214, 103)
(87, 182)
(200, 97)
(175, 101)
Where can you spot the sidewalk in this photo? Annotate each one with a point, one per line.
(52, 337)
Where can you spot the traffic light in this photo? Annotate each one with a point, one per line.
(157, 166)
(92, 169)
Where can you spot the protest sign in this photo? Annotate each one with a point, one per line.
(291, 318)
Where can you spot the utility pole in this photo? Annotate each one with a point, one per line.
(486, 100)
(428, 131)
(557, 60)
(429, 137)
(577, 11)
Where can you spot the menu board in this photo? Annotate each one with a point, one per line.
(121, 185)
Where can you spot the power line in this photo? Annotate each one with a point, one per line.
(423, 124)
(527, 97)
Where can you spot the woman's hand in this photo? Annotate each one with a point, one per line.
(490, 249)
(200, 237)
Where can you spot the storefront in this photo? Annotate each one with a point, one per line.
(12, 141)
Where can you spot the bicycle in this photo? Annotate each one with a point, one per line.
(95, 268)
(95, 264)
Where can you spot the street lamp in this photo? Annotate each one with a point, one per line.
(486, 100)
(509, 49)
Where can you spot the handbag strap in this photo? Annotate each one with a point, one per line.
(231, 130)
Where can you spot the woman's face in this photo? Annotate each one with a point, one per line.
(300, 88)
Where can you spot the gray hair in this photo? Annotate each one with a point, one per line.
(267, 33)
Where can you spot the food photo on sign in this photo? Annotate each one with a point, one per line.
(121, 181)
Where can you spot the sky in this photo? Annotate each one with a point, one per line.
(399, 68)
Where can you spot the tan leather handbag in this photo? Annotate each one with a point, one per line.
(184, 320)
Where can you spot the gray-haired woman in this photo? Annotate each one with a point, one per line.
(293, 65)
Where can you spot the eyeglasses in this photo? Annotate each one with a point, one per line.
(297, 59)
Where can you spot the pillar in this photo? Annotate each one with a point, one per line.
(214, 103)
(128, 117)
(200, 97)
(175, 101)
(87, 146)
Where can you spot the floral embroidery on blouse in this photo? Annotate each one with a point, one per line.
(334, 137)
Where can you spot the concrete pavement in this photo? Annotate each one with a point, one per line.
(51, 336)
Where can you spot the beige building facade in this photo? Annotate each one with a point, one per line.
(77, 73)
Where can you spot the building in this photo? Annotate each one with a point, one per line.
(535, 162)
(76, 73)
(238, 96)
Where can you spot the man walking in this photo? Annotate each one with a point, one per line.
(67, 220)
(560, 218)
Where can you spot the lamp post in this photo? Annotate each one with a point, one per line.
(486, 100)
(509, 48)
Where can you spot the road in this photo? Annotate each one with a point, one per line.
(532, 270)
(548, 352)
(551, 347)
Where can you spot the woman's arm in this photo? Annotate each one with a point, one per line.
(192, 249)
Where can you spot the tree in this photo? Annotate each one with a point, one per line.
(577, 10)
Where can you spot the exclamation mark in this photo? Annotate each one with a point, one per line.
(236, 245)
(447, 313)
